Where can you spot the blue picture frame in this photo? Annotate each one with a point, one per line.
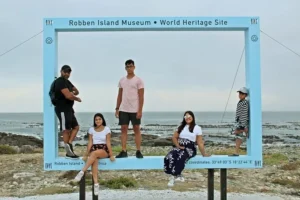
(251, 28)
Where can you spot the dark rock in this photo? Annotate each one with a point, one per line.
(162, 142)
(19, 140)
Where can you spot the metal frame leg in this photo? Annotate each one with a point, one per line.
(210, 184)
(223, 184)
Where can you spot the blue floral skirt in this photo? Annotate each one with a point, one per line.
(175, 160)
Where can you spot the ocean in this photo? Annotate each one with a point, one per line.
(283, 125)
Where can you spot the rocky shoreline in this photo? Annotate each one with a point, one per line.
(147, 140)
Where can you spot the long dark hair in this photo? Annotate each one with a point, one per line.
(183, 123)
(99, 115)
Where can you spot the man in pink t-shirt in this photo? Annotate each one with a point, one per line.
(129, 107)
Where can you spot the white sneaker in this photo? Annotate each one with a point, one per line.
(96, 189)
(79, 176)
(179, 178)
(171, 181)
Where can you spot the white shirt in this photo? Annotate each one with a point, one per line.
(99, 137)
(185, 133)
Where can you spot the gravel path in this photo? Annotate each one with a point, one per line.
(151, 195)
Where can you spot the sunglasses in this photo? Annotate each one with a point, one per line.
(187, 117)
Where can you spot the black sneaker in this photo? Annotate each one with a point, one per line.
(71, 148)
(138, 154)
(122, 154)
(72, 157)
(68, 149)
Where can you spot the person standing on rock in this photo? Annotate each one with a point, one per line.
(241, 120)
(185, 139)
(65, 94)
(99, 146)
(129, 107)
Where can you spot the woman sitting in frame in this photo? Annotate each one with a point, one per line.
(99, 146)
(185, 139)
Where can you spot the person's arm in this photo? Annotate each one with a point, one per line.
(62, 86)
(141, 99)
(175, 140)
(89, 146)
(141, 91)
(244, 118)
(119, 98)
(70, 95)
(75, 91)
(108, 143)
(200, 144)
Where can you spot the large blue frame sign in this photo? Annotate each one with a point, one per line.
(250, 26)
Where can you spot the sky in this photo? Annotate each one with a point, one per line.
(181, 70)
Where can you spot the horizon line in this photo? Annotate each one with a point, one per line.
(157, 111)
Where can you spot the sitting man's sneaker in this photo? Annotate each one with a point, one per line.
(69, 149)
(171, 181)
(122, 154)
(179, 178)
(79, 176)
(138, 154)
(72, 156)
(96, 189)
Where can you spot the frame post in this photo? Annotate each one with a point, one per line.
(223, 184)
(210, 184)
(82, 188)
(253, 83)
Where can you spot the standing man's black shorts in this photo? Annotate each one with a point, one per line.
(125, 118)
(66, 118)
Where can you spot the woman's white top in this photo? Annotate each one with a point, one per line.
(186, 134)
(99, 137)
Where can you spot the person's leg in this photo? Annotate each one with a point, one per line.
(75, 128)
(138, 136)
(137, 133)
(170, 163)
(65, 119)
(100, 153)
(180, 164)
(95, 177)
(124, 122)
(124, 131)
(95, 171)
(74, 131)
(238, 143)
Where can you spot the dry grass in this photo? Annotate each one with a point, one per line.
(4, 149)
(291, 166)
(275, 159)
(117, 183)
(69, 175)
(53, 190)
(29, 160)
(288, 183)
(227, 151)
